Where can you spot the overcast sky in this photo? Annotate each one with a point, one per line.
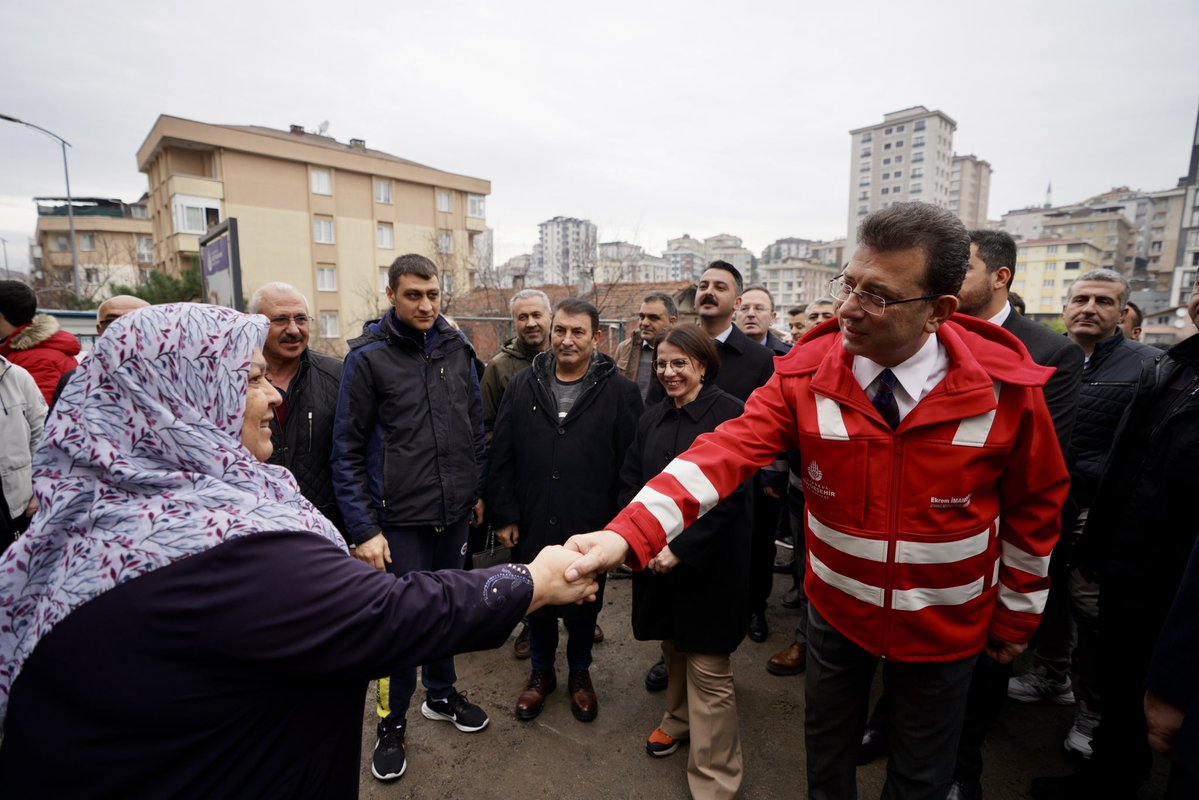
(649, 118)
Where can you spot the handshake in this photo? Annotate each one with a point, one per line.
(567, 574)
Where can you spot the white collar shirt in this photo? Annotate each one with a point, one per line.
(915, 377)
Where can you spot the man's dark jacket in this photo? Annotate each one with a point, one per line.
(305, 443)
(744, 366)
(515, 356)
(1109, 381)
(558, 479)
(1051, 349)
(776, 345)
(408, 438)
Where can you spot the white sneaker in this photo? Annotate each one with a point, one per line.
(1033, 688)
(1078, 740)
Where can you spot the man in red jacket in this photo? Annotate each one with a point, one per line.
(934, 486)
(33, 340)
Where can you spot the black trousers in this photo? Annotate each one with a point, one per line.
(928, 700)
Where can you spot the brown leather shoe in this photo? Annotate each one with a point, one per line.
(788, 662)
(541, 683)
(520, 647)
(583, 702)
(599, 634)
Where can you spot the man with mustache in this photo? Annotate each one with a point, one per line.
(302, 432)
(530, 310)
(657, 315)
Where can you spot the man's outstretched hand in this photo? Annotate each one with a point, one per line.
(601, 551)
(551, 587)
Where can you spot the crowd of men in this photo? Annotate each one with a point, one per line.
(950, 481)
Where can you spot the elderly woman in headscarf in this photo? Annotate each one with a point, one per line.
(178, 620)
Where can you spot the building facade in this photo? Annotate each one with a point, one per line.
(565, 251)
(115, 244)
(1045, 268)
(688, 258)
(326, 216)
(795, 281)
(970, 190)
(907, 156)
(629, 263)
(791, 247)
(728, 248)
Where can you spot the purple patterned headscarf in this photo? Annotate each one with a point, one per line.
(141, 464)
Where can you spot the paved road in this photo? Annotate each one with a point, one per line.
(557, 757)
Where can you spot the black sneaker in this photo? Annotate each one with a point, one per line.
(389, 761)
(658, 677)
(466, 716)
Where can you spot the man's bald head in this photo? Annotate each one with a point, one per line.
(116, 307)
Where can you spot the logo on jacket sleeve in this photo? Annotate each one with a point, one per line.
(814, 471)
(950, 502)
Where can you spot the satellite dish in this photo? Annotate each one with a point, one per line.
(322, 128)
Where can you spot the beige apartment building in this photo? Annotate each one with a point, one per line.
(115, 244)
(624, 262)
(793, 281)
(1045, 268)
(970, 190)
(1106, 228)
(907, 156)
(326, 216)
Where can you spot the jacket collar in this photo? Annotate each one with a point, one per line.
(699, 406)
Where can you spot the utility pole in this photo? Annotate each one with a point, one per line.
(70, 203)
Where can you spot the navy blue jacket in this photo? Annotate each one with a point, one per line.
(408, 446)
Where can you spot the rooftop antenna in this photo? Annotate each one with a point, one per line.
(1049, 195)
(322, 128)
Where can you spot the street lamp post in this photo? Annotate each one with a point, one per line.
(70, 204)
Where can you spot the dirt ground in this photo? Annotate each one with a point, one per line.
(555, 756)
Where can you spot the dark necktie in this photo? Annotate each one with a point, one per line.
(884, 398)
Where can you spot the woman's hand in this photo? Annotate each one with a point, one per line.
(664, 562)
(550, 586)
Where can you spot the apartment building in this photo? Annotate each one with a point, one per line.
(793, 281)
(970, 190)
(1107, 228)
(790, 247)
(326, 216)
(115, 244)
(907, 156)
(565, 251)
(624, 262)
(728, 248)
(687, 256)
(1046, 267)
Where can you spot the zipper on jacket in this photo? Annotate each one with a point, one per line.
(892, 547)
(309, 433)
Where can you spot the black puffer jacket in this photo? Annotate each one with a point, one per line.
(305, 443)
(1109, 382)
(408, 442)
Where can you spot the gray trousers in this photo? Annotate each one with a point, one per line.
(928, 702)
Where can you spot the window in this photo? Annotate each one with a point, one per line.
(383, 272)
(143, 275)
(886, 190)
(916, 188)
(62, 245)
(326, 278)
(139, 212)
(899, 173)
(385, 236)
(1051, 248)
(918, 141)
(383, 190)
(322, 181)
(445, 201)
(91, 275)
(1050, 266)
(886, 161)
(195, 214)
(445, 243)
(887, 146)
(1049, 283)
(862, 211)
(899, 129)
(918, 172)
(863, 195)
(867, 137)
(917, 158)
(447, 283)
(1074, 248)
(87, 242)
(899, 143)
(887, 132)
(886, 176)
(919, 126)
(330, 325)
(865, 152)
(898, 159)
(863, 181)
(322, 230)
(865, 167)
(1073, 264)
(476, 205)
(145, 248)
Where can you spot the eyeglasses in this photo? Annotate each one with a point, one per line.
(301, 320)
(870, 303)
(676, 364)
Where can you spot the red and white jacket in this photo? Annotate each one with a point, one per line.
(921, 541)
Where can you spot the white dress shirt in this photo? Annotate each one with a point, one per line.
(915, 378)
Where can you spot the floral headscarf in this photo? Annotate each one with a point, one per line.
(141, 465)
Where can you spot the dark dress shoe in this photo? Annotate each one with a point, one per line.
(583, 702)
(965, 790)
(541, 683)
(599, 634)
(874, 745)
(788, 662)
(658, 677)
(520, 648)
(758, 629)
(791, 599)
(785, 567)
